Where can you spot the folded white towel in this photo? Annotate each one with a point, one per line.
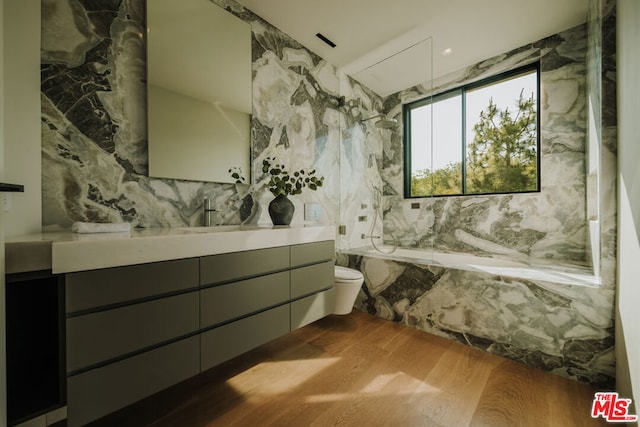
(91, 227)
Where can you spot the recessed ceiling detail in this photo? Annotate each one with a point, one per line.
(372, 30)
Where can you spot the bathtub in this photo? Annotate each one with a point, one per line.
(553, 317)
(541, 270)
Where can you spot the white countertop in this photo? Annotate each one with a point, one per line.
(78, 252)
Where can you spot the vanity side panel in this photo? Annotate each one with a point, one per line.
(87, 290)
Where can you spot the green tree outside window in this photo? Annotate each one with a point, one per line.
(502, 151)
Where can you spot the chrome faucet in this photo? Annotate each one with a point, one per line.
(207, 212)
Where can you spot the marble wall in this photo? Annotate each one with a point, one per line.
(567, 330)
(361, 165)
(547, 225)
(94, 136)
(306, 114)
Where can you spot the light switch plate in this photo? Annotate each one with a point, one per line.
(6, 202)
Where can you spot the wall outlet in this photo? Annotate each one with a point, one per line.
(6, 202)
(312, 212)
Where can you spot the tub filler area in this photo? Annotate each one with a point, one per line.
(555, 318)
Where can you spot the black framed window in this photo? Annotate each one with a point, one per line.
(486, 138)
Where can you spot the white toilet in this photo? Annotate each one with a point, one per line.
(347, 284)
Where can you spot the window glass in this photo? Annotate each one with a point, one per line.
(484, 138)
(437, 167)
(501, 136)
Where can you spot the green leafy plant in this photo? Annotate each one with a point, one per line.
(503, 154)
(282, 182)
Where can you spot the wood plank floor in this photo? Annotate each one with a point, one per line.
(360, 370)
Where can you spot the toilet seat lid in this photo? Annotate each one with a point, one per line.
(344, 273)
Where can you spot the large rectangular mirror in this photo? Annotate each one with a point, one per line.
(198, 91)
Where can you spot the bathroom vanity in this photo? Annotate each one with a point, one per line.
(147, 310)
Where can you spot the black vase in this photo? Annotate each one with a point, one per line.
(281, 210)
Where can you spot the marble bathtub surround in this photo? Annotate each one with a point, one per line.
(540, 321)
(565, 329)
(553, 272)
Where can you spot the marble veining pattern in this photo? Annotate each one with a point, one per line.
(94, 165)
(546, 225)
(94, 136)
(565, 329)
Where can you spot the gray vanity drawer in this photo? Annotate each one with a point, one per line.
(98, 392)
(240, 265)
(223, 343)
(90, 289)
(311, 253)
(310, 279)
(226, 302)
(97, 337)
(311, 308)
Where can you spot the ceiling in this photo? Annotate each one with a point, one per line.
(368, 31)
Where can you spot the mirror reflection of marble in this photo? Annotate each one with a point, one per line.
(198, 91)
